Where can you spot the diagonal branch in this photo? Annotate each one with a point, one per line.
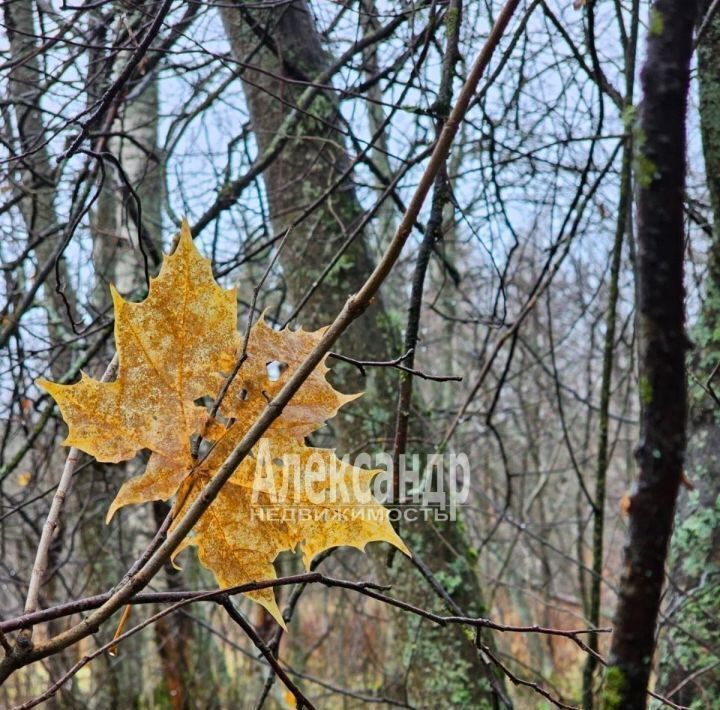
(301, 700)
(41, 556)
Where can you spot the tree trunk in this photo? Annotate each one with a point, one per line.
(38, 183)
(117, 257)
(662, 348)
(129, 209)
(690, 661)
(38, 179)
(284, 43)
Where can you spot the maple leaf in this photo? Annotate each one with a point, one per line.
(172, 349)
(176, 347)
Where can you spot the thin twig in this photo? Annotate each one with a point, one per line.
(120, 82)
(706, 21)
(301, 700)
(41, 556)
(516, 680)
(94, 602)
(396, 363)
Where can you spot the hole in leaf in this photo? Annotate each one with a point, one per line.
(274, 369)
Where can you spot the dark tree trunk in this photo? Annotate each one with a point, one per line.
(689, 662)
(662, 344)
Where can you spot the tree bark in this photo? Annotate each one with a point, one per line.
(690, 659)
(118, 225)
(660, 174)
(283, 41)
(38, 179)
(116, 233)
(38, 183)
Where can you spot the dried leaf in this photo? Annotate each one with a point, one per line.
(112, 650)
(257, 525)
(172, 348)
(176, 347)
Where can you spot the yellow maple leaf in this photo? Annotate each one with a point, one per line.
(176, 347)
(172, 349)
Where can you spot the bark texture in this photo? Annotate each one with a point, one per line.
(284, 42)
(690, 658)
(38, 178)
(129, 209)
(36, 181)
(444, 666)
(118, 225)
(660, 174)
